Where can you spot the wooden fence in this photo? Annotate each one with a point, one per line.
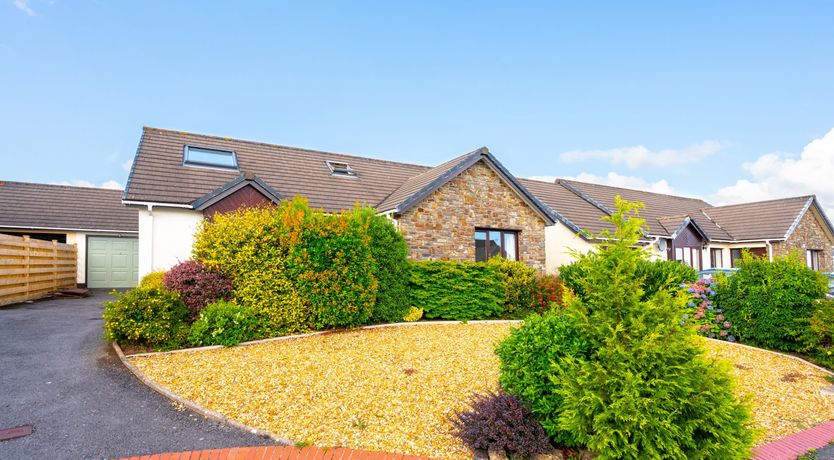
(31, 269)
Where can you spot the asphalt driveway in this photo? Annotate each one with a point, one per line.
(57, 374)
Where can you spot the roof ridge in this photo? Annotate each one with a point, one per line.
(288, 147)
(715, 222)
(636, 190)
(5, 182)
(804, 197)
(584, 196)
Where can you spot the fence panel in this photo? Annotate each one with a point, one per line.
(31, 269)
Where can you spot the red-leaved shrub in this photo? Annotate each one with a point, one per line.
(498, 421)
(197, 285)
(547, 292)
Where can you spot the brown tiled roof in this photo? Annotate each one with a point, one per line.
(423, 180)
(61, 207)
(760, 220)
(158, 174)
(582, 214)
(658, 205)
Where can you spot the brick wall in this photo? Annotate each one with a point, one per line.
(809, 234)
(442, 226)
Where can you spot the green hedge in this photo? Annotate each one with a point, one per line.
(457, 290)
(519, 281)
(224, 323)
(770, 304)
(390, 254)
(147, 316)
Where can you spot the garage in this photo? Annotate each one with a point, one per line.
(112, 262)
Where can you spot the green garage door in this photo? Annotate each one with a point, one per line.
(112, 262)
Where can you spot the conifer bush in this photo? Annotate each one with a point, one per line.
(640, 387)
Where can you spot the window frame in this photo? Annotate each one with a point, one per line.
(695, 255)
(202, 164)
(812, 259)
(338, 171)
(712, 252)
(503, 232)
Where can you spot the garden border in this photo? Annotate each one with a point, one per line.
(207, 413)
(332, 331)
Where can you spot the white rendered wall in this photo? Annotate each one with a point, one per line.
(559, 244)
(80, 242)
(166, 236)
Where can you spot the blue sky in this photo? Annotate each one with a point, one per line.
(713, 99)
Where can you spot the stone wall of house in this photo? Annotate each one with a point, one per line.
(442, 226)
(809, 234)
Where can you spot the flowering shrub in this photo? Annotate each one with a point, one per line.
(197, 285)
(546, 292)
(152, 280)
(499, 421)
(703, 314)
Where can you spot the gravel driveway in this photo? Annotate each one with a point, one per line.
(57, 374)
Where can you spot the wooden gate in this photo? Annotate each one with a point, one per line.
(31, 269)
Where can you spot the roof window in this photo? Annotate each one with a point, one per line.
(211, 158)
(339, 168)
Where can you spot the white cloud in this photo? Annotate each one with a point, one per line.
(779, 175)
(640, 156)
(111, 184)
(23, 5)
(127, 164)
(617, 180)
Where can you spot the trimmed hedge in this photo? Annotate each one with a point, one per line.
(770, 304)
(224, 323)
(457, 290)
(390, 254)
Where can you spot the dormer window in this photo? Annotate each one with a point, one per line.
(209, 158)
(339, 168)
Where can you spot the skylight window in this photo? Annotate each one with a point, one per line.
(338, 168)
(212, 158)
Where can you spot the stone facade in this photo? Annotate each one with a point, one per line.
(809, 234)
(442, 226)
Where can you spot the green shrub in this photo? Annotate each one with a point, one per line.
(152, 280)
(654, 275)
(664, 275)
(146, 316)
(297, 267)
(820, 334)
(224, 323)
(527, 356)
(519, 281)
(457, 290)
(390, 255)
(641, 388)
(770, 303)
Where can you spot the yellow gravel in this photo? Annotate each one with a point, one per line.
(393, 389)
(786, 392)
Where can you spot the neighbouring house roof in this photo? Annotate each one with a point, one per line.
(158, 175)
(576, 212)
(60, 207)
(763, 220)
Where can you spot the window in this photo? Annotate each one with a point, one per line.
(716, 256)
(338, 168)
(735, 254)
(812, 259)
(213, 158)
(490, 243)
(689, 255)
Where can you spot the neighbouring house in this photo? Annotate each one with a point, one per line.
(94, 219)
(690, 230)
(469, 208)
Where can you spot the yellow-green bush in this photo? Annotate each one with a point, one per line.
(153, 280)
(146, 316)
(413, 314)
(519, 281)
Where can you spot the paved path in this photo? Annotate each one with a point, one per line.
(790, 447)
(279, 453)
(57, 374)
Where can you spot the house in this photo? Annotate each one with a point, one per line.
(468, 208)
(691, 230)
(94, 219)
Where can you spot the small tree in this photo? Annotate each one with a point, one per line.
(639, 387)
